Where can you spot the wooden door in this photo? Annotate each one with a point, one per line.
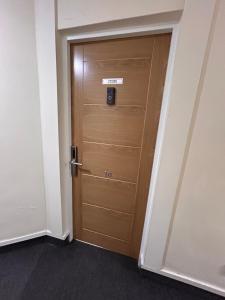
(115, 142)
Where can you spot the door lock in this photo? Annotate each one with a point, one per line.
(74, 164)
(111, 95)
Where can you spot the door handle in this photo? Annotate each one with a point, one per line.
(74, 164)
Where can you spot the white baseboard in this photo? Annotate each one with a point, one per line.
(193, 281)
(63, 237)
(31, 236)
(22, 238)
(189, 280)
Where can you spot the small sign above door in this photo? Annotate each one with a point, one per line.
(112, 81)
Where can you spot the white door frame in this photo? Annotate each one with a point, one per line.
(64, 64)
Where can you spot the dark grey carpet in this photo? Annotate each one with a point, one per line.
(40, 270)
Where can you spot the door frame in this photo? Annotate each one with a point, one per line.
(63, 50)
(135, 242)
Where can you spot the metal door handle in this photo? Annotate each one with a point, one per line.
(75, 163)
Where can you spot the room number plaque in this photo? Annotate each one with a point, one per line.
(112, 81)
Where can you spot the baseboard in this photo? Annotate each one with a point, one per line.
(46, 235)
(23, 238)
(193, 281)
(188, 280)
(63, 237)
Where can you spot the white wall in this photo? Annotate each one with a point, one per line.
(185, 235)
(197, 242)
(193, 32)
(79, 13)
(22, 203)
(23, 210)
(47, 73)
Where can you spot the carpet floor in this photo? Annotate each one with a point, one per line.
(42, 270)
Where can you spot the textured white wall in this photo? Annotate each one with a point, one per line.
(197, 242)
(22, 203)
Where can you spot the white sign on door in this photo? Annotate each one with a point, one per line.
(112, 81)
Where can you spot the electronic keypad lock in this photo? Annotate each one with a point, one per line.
(111, 95)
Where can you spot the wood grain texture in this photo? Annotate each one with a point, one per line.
(108, 193)
(107, 221)
(156, 85)
(133, 91)
(105, 241)
(119, 125)
(138, 47)
(116, 141)
(122, 161)
(77, 94)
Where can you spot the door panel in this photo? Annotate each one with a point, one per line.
(134, 89)
(106, 221)
(121, 48)
(119, 125)
(156, 84)
(115, 142)
(105, 241)
(121, 161)
(108, 193)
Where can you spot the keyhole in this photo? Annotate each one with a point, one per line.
(108, 173)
